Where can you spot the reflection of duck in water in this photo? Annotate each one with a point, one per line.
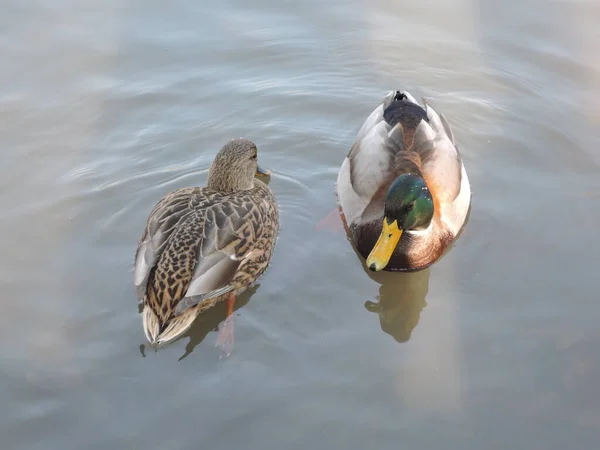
(401, 300)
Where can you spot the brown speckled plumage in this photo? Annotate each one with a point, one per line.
(200, 244)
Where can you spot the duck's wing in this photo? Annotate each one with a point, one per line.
(162, 222)
(371, 157)
(440, 159)
(231, 232)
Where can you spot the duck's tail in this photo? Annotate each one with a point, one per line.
(401, 107)
(172, 330)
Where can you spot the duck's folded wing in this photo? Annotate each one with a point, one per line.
(230, 233)
(161, 224)
(374, 118)
(442, 164)
(371, 159)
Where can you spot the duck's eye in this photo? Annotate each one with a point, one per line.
(254, 156)
(410, 206)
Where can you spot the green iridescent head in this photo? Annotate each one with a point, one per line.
(409, 202)
(408, 206)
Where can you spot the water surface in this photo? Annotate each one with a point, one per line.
(107, 106)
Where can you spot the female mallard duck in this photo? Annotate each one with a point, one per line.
(204, 245)
(403, 188)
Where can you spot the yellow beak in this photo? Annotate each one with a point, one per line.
(262, 172)
(385, 246)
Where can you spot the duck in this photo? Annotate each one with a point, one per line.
(205, 245)
(402, 188)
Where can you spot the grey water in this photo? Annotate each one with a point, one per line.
(107, 106)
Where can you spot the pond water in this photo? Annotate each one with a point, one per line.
(107, 106)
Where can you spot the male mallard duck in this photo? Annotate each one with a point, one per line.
(204, 245)
(403, 188)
